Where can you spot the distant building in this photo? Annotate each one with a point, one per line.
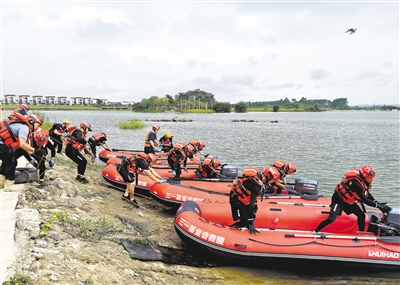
(37, 100)
(50, 100)
(24, 99)
(76, 101)
(62, 100)
(10, 99)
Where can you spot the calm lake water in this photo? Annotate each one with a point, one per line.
(322, 145)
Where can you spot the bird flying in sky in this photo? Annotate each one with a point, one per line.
(351, 31)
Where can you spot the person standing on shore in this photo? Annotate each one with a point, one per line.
(14, 135)
(98, 140)
(151, 140)
(129, 171)
(75, 143)
(56, 131)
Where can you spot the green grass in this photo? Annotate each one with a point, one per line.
(198, 111)
(132, 124)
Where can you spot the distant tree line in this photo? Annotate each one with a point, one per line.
(199, 99)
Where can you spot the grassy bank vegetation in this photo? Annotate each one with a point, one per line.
(132, 124)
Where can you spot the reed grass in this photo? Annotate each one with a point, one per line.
(132, 124)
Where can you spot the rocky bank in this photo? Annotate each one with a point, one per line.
(71, 233)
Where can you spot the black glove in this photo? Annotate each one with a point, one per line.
(383, 207)
(250, 226)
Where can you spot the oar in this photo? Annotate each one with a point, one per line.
(298, 204)
(204, 190)
(305, 197)
(326, 236)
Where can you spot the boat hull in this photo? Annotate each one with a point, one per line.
(269, 245)
(144, 183)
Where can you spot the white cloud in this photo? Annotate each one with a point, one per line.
(237, 51)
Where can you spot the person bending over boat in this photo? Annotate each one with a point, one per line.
(56, 131)
(243, 198)
(98, 140)
(179, 155)
(209, 168)
(22, 110)
(349, 193)
(129, 169)
(14, 136)
(198, 146)
(151, 140)
(75, 143)
(274, 176)
(40, 141)
(166, 142)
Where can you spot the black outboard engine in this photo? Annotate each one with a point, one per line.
(229, 171)
(388, 225)
(306, 186)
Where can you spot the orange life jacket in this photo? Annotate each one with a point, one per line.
(146, 140)
(97, 138)
(272, 174)
(71, 139)
(6, 133)
(178, 148)
(132, 166)
(206, 166)
(344, 191)
(243, 194)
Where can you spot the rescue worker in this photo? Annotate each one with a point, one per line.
(151, 140)
(166, 142)
(14, 136)
(56, 132)
(243, 198)
(179, 155)
(75, 143)
(209, 168)
(40, 141)
(23, 110)
(351, 194)
(198, 147)
(98, 140)
(129, 171)
(274, 176)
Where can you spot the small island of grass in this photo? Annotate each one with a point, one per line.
(132, 124)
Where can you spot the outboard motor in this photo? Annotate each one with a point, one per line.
(306, 186)
(229, 171)
(386, 226)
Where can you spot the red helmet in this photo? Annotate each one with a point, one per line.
(290, 168)
(86, 125)
(151, 157)
(200, 145)
(155, 128)
(367, 171)
(189, 149)
(41, 136)
(35, 119)
(24, 106)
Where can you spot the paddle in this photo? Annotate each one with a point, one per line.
(204, 190)
(298, 204)
(304, 196)
(326, 236)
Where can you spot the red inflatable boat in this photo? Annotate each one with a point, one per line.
(175, 192)
(105, 154)
(111, 175)
(285, 235)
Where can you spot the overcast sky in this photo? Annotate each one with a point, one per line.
(239, 51)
